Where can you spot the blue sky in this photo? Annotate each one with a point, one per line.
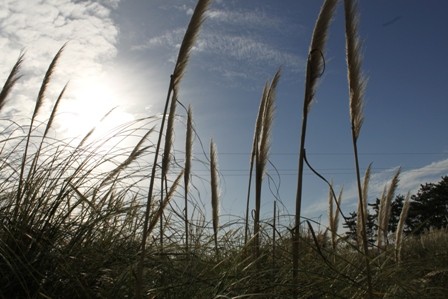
(123, 52)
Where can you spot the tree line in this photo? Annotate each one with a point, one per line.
(428, 210)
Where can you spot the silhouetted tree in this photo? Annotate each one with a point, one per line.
(371, 224)
(429, 207)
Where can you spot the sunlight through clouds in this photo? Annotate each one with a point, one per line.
(40, 29)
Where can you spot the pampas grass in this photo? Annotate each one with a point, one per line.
(189, 39)
(385, 210)
(187, 170)
(333, 215)
(179, 69)
(356, 84)
(362, 209)
(262, 145)
(38, 105)
(214, 183)
(314, 69)
(13, 77)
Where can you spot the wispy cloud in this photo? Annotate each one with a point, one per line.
(255, 19)
(223, 42)
(246, 49)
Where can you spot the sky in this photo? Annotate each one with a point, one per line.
(121, 53)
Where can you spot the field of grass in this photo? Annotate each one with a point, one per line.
(113, 217)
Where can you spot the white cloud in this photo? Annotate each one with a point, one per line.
(246, 18)
(247, 49)
(410, 181)
(41, 28)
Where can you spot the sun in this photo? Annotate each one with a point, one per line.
(89, 100)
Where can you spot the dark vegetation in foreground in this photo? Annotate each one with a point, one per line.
(77, 219)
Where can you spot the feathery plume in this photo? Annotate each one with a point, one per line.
(46, 81)
(136, 152)
(263, 144)
(37, 106)
(215, 191)
(385, 210)
(315, 64)
(169, 135)
(267, 119)
(254, 155)
(357, 81)
(13, 77)
(333, 214)
(190, 37)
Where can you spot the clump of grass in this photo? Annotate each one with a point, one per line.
(74, 231)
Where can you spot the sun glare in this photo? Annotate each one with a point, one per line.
(90, 100)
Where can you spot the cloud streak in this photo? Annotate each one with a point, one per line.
(228, 47)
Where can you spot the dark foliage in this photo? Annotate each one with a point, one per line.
(429, 209)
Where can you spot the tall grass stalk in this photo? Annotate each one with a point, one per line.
(333, 215)
(13, 77)
(47, 128)
(357, 84)
(385, 211)
(263, 138)
(179, 69)
(314, 69)
(38, 105)
(274, 234)
(400, 226)
(362, 209)
(187, 174)
(214, 183)
(166, 158)
(253, 158)
(156, 217)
